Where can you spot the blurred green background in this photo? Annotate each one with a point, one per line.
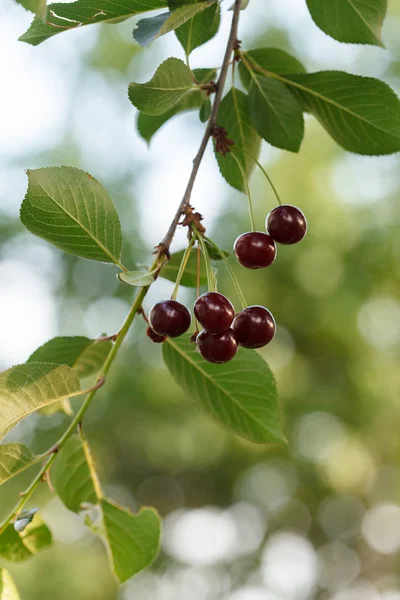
(318, 519)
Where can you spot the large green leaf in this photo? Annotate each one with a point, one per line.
(199, 29)
(241, 394)
(276, 113)
(17, 547)
(70, 209)
(151, 28)
(189, 278)
(39, 8)
(234, 116)
(8, 590)
(71, 476)
(269, 59)
(14, 458)
(82, 354)
(63, 17)
(170, 83)
(26, 388)
(353, 21)
(132, 539)
(360, 113)
(148, 125)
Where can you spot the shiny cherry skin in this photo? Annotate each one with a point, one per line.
(217, 348)
(157, 339)
(170, 318)
(255, 250)
(254, 327)
(214, 312)
(286, 224)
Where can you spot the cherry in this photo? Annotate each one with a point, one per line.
(286, 224)
(254, 327)
(255, 250)
(217, 348)
(169, 318)
(157, 339)
(214, 311)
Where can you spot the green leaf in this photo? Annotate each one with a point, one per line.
(152, 28)
(234, 116)
(360, 113)
(199, 29)
(26, 388)
(213, 250)
(63, 17)
(148, 125)
(132, 539)
(244, 5)
(136, 278)
(17, 547)
(276, 113)
(189, 278)
(70, 209)
(170, 83)
(39, 8)
(352, 21)
(205, 110)
(82, 354)
(241, 394)
(14, 458)
(71, 476)
(8, 590)
(269, 59)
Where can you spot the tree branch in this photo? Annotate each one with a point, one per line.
(166, 242)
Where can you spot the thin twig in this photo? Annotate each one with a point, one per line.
(220, 84)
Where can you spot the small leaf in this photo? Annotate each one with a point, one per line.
(276, 113)
(244, 5)
(234, 116)
(352, 21)
(148, 125)
(171, 82)
(63, 17)
(360, 113)
(71, 476)
(25, 389)
(199, 29)
(151, 28)
(8, 590)
(132, 539)
(70, 209)
(269, 59)
(17, 547)
(136, 278)
(241, 394)
(189, 278)
(82, 354)
(39, 8)
(205, 110)
(213, 250)
(14, 458)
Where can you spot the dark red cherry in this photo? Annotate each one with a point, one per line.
(255, 250)
(169, 318)
(286, 224)
(254, 327)
(217, 348)
(214, 311)
(157, 339)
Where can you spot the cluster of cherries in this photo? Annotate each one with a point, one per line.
(253, 327)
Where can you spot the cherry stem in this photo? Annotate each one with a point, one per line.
(211, 283)
(264, 171)
(182, 268)
(231, 273)
(246, 184)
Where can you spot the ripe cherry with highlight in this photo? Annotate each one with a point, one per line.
(255, 250)
(157, 339)
(217, 348)
(254, 327)
(169, 318)
(286, 224)
(214, 312)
